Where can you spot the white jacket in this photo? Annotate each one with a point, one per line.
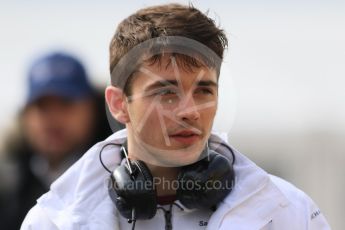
(79, 200)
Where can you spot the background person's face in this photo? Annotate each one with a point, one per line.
(171, 111)
(56, 127)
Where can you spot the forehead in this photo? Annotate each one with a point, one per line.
(169, 67)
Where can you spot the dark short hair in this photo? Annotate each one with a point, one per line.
(164, 21)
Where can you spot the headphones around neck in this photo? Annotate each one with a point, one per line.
(201, 185)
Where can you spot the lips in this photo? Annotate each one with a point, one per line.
(185, 137)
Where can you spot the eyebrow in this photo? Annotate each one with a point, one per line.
(164, 83)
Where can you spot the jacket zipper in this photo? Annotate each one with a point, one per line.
(167, 217)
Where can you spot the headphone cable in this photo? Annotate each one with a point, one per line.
(100, 156)
(133, 220)
(133, 224)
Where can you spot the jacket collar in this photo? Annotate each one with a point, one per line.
(80, 197)
(253, 200)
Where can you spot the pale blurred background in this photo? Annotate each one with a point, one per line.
(282, 84)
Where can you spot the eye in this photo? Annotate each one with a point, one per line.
(206, 91)
(166, 92)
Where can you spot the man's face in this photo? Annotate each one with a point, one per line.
(56, 127)
(171, 111)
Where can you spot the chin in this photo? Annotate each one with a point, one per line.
(179, 161)
(185, 156)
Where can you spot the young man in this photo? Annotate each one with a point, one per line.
(166, 169)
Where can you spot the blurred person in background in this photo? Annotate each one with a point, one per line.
(63, 116)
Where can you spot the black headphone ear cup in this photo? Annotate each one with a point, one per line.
(145, 171)
(119, 180)
(147, 203)
(135, 191)
(205, 183)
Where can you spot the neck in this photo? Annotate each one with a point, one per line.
(164, 178)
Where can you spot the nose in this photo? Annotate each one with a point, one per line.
(188, 110)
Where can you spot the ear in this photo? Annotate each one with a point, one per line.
(116, 102)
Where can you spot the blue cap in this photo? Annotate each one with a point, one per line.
(58, 74)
